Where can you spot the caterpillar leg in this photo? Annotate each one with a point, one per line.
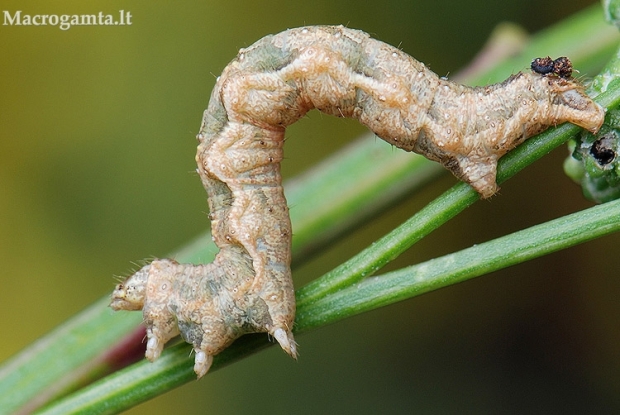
(286, 340)
(202, 363)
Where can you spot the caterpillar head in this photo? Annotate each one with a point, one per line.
(130, 295)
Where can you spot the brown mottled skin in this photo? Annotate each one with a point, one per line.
(270, 85)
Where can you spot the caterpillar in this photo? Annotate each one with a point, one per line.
(269, 86)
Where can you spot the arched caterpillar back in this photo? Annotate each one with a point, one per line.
(270, 85)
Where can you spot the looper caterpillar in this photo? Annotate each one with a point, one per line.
(270, 85)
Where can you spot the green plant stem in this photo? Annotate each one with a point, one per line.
(142, 381)
(469, 263)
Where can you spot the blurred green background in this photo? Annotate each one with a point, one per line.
(97, 144)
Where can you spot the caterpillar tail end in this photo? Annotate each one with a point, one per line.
(581, 110)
